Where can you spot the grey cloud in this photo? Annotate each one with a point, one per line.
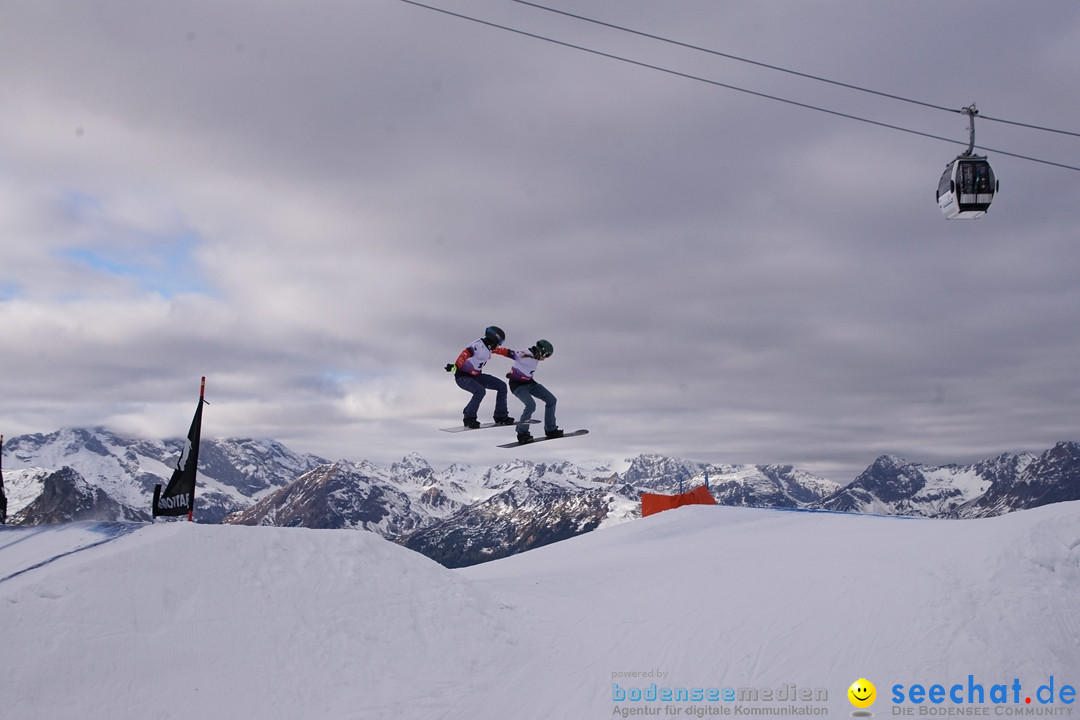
(369, 185)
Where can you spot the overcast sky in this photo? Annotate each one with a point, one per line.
(317, 205)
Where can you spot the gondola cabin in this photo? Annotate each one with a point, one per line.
(966, 188)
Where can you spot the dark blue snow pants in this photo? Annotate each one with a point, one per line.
(478, 385)
(525, 392)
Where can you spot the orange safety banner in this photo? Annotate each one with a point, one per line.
(652, 503)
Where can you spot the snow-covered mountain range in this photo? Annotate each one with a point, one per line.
(894, 486)
(466, 514)
(95, 474)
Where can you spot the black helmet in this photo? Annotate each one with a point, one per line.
(543, 348)
(494, 336)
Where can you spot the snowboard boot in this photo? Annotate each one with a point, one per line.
(554, 433)
(471, 423)
(504, 420)
(524, 438)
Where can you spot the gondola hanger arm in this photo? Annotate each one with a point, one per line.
(971, 111)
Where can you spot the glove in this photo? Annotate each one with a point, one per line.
(451, 367)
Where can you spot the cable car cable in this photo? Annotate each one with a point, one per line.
(789, 71)
(1032, 127)
(717, 83)
(729, 56)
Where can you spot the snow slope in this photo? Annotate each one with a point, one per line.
(727, 597)
(179, 620)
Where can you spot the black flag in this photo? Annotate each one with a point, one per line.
(179, 495)
(3, 497)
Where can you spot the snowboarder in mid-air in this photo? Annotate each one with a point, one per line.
(469, 374)
(528, 390)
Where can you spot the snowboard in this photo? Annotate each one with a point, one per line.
(484, 426)
(542, 438)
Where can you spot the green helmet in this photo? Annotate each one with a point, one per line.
(544, 348)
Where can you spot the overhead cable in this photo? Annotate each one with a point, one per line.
(717, 83)
(778, 68)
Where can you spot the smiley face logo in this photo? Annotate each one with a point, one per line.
(862, 693)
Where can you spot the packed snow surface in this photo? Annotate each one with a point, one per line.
(180, 620)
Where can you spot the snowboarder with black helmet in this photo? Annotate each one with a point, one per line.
(469, 374)
(528, 390)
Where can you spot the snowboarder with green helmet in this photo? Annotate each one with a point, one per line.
(528, 390)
